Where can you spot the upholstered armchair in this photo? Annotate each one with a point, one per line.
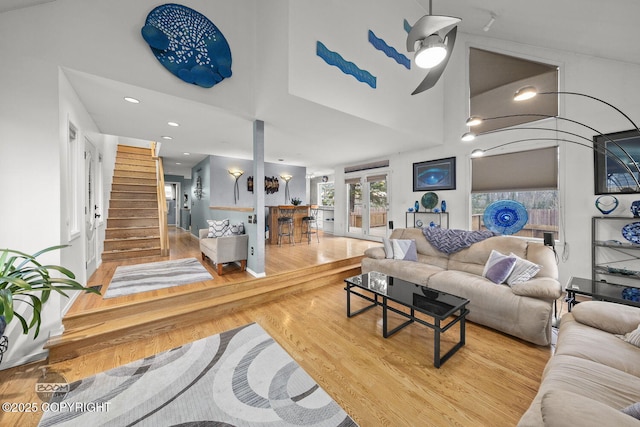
(225, 249)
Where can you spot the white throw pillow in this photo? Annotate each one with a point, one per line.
(632, 337)
(388, 248)
(523, 270)
(217, 228)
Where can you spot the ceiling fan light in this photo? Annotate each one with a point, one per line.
(525, 93)
(431, 53)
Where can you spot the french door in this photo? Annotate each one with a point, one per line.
(367, 206)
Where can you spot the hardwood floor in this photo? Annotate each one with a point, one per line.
(379, 382)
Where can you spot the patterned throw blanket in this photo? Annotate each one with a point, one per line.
(450, 241)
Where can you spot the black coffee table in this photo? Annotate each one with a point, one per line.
(433, 303)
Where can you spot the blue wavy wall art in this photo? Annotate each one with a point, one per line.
(188, 44)
(391, 52)
(407, 27)
(333, 58)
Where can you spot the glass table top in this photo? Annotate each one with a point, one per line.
(426, 300)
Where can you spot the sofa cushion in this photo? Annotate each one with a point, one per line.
(404, 249)
(497, 307)
(217, 228)
(607, 316)
(591, 380)
(523, 270)
(377, 252)
(474, 258)
(579, 340)
(632, 410)
(538, 287)
(559, 405)
(498, 267)
(410, 271)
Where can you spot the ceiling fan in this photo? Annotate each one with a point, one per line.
(432, 38)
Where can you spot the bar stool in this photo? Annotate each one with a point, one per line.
(285, 223)
(309, 223)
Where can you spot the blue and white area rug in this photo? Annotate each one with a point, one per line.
(238, 378)
(133, 279)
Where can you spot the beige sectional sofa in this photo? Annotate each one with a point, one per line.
(593, 374)
(524, 310)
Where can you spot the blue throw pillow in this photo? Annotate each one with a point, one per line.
(498, 267)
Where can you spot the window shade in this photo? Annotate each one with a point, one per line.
(524, 170)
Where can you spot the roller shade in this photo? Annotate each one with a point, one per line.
(524, 170)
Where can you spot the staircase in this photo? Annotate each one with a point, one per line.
(133, 227)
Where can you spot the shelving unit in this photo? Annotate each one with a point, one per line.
(439, 218)
(615, 262)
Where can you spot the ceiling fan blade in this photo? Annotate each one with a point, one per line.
(434, 73)
(427, 25)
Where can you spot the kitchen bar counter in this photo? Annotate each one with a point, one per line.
(300, 212)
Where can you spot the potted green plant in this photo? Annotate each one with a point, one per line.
(295, 201)
(24, 279)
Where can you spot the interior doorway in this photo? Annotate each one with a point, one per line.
(171, 192)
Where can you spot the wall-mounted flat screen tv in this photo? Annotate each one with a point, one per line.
(617, 162)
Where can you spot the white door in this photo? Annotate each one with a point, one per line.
(91, 209)
(367, 206)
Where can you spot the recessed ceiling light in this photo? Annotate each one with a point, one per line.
(131, 100)
(178, 163)
(187, 154)
(174, 124)
(167, 137)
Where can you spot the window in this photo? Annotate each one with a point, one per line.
(542, 208)
(529, 177)
(326, 194)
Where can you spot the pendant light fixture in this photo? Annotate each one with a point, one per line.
(432, 38)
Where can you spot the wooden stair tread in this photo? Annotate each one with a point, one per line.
(118, 239)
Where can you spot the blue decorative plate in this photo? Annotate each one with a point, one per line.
(631, 232)
(505, 216)
(188, 44)
(429, 200)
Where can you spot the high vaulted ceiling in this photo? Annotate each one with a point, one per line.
(607, 30)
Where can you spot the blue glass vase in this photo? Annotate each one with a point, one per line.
(416, 206)
(443, 206)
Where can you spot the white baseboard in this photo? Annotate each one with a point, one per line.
(257, 275)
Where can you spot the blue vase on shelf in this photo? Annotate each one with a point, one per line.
(416, 206)
(443, 206)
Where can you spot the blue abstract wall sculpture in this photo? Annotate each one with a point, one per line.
(407, 27)
(188, 44)
(391, 52)
(333, 58)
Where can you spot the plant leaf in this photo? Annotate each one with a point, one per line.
(6, 298)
